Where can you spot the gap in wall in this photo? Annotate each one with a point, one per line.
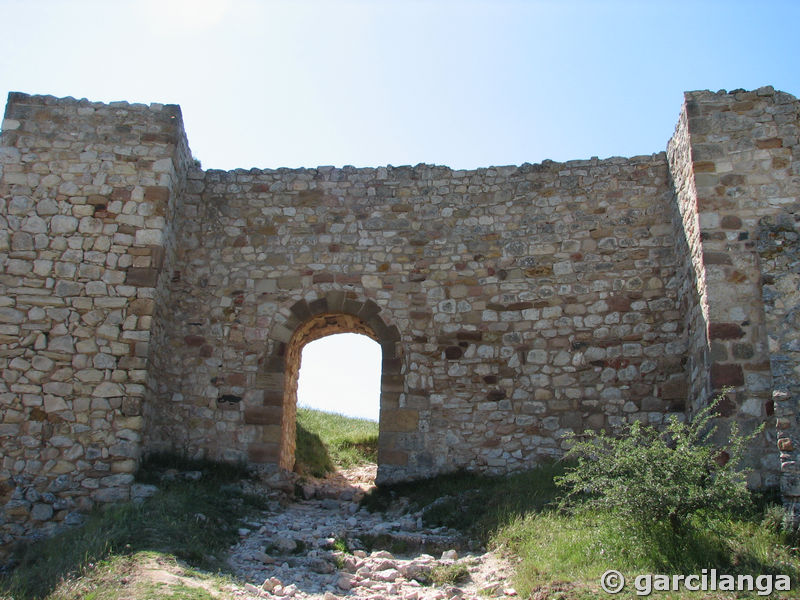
(341, 373)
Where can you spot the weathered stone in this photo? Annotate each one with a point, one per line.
(107, 389)
(511, 304)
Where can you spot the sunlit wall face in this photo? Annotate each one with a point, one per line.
(341, 373)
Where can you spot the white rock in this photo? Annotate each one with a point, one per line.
(107, 389)
(449, 555)
(284, 543)
(63, 224)
(386, 575)
(345, 582)
(149, 237)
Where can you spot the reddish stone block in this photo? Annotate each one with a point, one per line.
(675, 389)
(737, 277)
(121, 194)
(194, 340)
(726, 407)
(141, 277)
(723, 375)
(237, 379)
(322, 278)
(273, 398)
(704, 166)
(156, 194)
(142, 306)
(399, 420)
(263, 415)
(731, 222)
(769, 143)
(619, 304)
(725, 331)
(453, 352)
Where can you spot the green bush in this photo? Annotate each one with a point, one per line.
(651, 477)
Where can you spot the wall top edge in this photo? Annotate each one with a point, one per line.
(764, 91)
(425, 170)
(21, 98)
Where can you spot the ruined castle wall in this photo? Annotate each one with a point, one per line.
(530, 301)
(148, 305)
(744, 160)
(747, 163)
(85, 192)
(691, 268)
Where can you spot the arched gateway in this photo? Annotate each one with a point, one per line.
(150, 305)
(333, 312)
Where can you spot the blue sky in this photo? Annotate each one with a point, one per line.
(372, 82)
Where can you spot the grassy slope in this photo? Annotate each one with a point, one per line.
(327, 441)
(195, 521)
(562, 556)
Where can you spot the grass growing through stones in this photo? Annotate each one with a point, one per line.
(191, 520)
(329, 441)
(474, 504)
(449, 574)
(562, 555)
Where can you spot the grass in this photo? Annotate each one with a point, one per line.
(139, 575)
(190, 524)
(474, 504)
(580, 547)
(194, 521)
(449, 574)
(330, 441)
(563, 555)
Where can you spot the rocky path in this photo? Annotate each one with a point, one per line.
(326, 547)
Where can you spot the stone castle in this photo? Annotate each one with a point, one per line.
(149, 305)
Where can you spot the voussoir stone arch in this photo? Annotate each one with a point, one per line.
(308, 320)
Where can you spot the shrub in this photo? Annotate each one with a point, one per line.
(649, 476)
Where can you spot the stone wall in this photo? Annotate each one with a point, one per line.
(149, 305)
(743, 156)
(87, 192)
(530, 301)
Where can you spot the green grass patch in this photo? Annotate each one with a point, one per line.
(193, 520)
(471, 503)
(563, 554)
(579, 548)
(330, 441)
(449, 574)
(142, 575)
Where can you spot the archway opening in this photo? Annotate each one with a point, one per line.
(338, 406)
(341, 373)
(274, 437)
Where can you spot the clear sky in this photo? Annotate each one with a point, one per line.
(373, 82)
(341, 373)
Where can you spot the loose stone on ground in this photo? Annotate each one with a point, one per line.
(296, 551)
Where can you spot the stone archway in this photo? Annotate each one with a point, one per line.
(335, 312)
